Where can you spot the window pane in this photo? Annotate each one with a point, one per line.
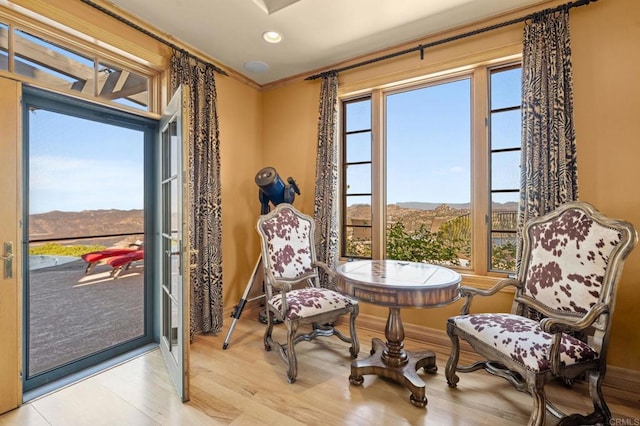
(358, 115)
(428, 185)
(506, 129)
(505, 200)
(358, 179)
(53, 65)
(358, 242)
(505, 170)
(504, 216)
(357, 229)
(4, 46)
(506, 88)
(358, 210)
(123, 87)
(358, 147)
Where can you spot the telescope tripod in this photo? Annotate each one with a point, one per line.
(237, 310)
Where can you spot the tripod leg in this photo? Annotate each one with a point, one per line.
(237, 310)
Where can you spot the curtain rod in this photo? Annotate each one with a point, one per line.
(421, 47)
(152, 35)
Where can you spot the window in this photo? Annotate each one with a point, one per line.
(505, 142)
(356, 178)
(428, 173)
(64, 69)
(4, 46)
(446, 164)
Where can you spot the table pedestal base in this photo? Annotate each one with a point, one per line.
(402, 370)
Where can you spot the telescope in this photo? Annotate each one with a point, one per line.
(273, 189)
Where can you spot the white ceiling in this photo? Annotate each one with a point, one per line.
(316, 33)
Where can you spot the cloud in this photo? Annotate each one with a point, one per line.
(65, 183)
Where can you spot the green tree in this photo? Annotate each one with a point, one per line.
(421, 246)
(503, 257)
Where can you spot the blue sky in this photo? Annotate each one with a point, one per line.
(428, 136)
(77, 164)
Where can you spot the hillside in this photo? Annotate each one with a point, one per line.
(412, 218)
(419, 205)
(58, 224)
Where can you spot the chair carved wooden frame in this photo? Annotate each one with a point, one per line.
(288, 257)
(572, 260)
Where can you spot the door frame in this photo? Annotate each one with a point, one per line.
(11, 215)
(63, 104)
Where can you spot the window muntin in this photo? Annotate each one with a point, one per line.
(505, 146)
(491, 155)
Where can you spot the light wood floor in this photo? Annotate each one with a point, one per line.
(244, 385)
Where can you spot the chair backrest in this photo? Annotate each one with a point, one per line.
(573, 258)
(288, 250)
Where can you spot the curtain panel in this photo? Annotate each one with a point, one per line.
(325, 205)
(205, 214)
(549, 175)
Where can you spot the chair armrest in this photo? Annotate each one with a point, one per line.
(325, 268)
(282, 286)
(557, 325)
(469, 292)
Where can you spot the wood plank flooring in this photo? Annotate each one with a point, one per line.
(245, 385)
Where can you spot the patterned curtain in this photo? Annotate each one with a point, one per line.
(325, 208)
(549, 174)
(205, 216)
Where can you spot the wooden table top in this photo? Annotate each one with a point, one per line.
(397, 283)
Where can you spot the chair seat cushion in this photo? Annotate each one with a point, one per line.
(523, 340)
(307, 302)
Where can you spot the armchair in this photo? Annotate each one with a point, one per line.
(559, 325)
(288, 257)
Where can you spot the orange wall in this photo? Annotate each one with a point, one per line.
(240, 115)
(607, 117)
(290, 136)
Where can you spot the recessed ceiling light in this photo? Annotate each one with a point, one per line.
(272, 37)
(256, 66)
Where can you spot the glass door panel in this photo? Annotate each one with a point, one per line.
(173, 234)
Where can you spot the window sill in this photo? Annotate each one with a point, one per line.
(483, 282)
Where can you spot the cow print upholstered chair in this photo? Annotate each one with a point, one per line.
(292, 288)
(572, 260)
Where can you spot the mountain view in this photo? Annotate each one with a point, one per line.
(431, 215)
(58, 224)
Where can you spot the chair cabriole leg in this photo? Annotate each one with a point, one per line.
(539, 407)
(355, 343)
(452, 362)
(292, 362)
(267, 332)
